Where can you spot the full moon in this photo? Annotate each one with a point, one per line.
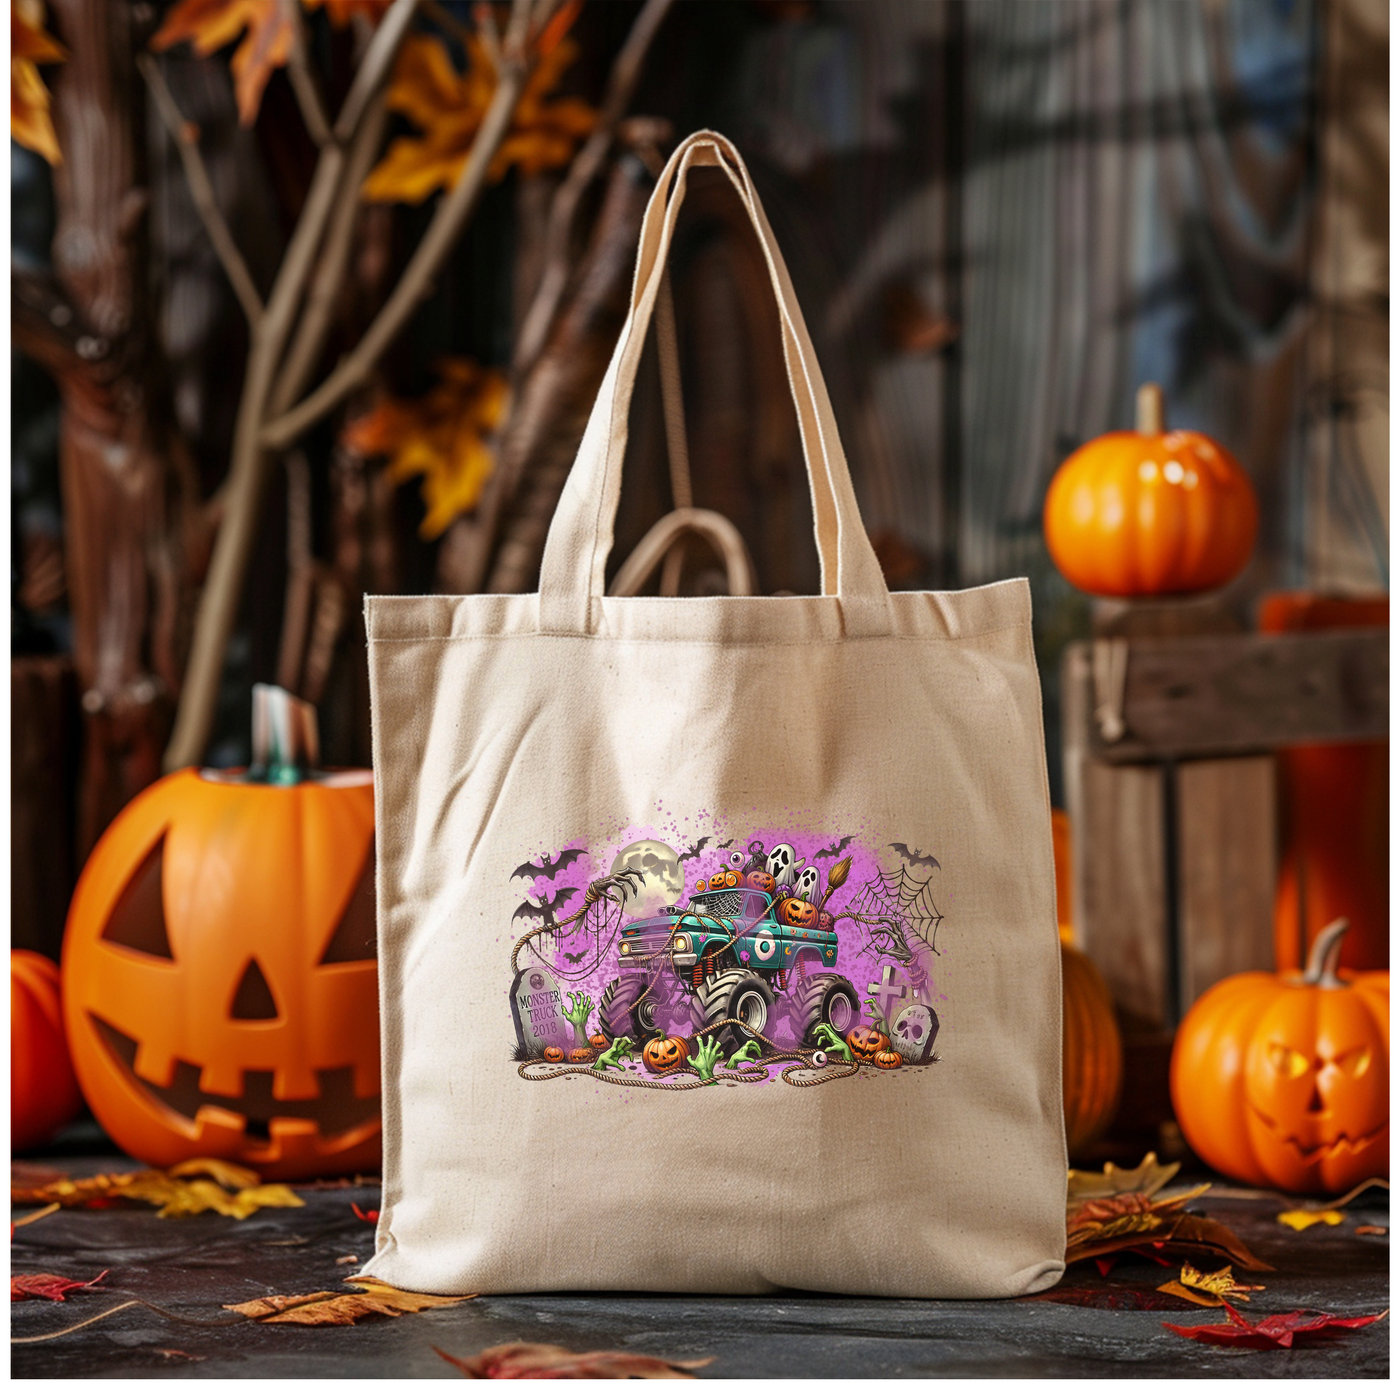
(660, 868)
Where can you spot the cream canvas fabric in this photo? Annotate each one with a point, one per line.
(599, 817)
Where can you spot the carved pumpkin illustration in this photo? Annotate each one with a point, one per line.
(554, 1054)
(666, 1054)
(43, 1091)
(599, 1041)
(798, 913)
(760, 880)
(866, 1042)
(1284, 1080)
(730, 879)
(1093, 1051)
(1150, 511)
(888, 1059)
(580, 1055)
(219, 979)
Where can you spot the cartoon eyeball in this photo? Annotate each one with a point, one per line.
(818, 1058)
(765, 948)
(737, 859)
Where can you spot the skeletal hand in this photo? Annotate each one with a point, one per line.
(612, 1057)
(746, 1054)
(831, 1041)
(616, 888)
(706, 1056)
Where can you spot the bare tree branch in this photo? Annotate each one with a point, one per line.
(374, 69)
(622, 82)
(186, 137)
(308, 95)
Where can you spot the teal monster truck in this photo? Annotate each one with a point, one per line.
(727, 955)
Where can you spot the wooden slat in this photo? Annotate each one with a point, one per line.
(1205, 696)
(1227, 869)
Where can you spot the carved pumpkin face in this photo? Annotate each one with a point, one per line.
(554, 1054)
(580, 1055)
(887, 1059)
(798, 913)
(866, 1042)
(1285, 1080)
(220, 985)
(666, 1054)
(599, 1041)
(760, 880)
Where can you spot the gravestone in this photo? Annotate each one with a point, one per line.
(913, 1032)
(536, 1008)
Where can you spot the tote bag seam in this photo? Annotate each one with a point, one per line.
(727, 643)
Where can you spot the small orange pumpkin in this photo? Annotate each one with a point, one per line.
(798, 913)
(760, 880)
(888, 1059)
(1093, 1051)
(43, 1090)
(581, 1055)
(1284, 1080)
(866, 1042)
(1150, 511)
(599, 1041)
(665, 1054)
(553, 1053)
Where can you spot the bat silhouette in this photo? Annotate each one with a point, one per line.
(576, 958)
(724, 845)
(548, 868)
(696, 848)
(837, 848)
(545, 909)
(914, 857)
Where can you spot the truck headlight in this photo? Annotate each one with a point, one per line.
(682, 943)
(624, 949)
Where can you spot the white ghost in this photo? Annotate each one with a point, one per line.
(782, 864)
(806, 884)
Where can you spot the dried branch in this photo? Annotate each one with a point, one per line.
(301, 574)
(372, 72)
(186, 137)
(622, 83)
(308, 95)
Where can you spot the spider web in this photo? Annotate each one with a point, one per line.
(898, 916)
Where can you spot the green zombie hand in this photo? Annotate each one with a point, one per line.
(745, 1055)
(830, 1040)
(878, 1016)
(577, 1015)
(612, 1057)
(706, 1056)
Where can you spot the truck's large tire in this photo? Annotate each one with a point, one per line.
(617, 1014)
(740, 995)
(825, 997)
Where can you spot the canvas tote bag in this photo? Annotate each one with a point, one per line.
(718, 946)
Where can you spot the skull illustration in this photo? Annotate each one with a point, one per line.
(806, 884)
(782, 864)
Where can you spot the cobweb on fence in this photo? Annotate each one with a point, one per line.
(898, 916)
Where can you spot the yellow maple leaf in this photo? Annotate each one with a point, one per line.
(30, 45)
(1303, 1219)
(1148, 1177)
(448, 107)
(178, 1198)
(344, 1309)
(1210, 1290)
(442, 437)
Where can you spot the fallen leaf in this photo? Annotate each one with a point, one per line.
(1117, 1223)
(1276, 1331)
(52, 1286)
(229, 1174)
(178, 1198)
(348, 1259)
(1209, 1290)
(33, 1216)
(344, 1309)
(266, 41)
(442, 437)
(538, 1361)
(1305, 1219)
(30, 45)
(1147, 1178)
(371, 1215)
(69, 1192)
(448, 107)
(1371, 1230)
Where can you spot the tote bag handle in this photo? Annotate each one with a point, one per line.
(581, 533)
(717, 530)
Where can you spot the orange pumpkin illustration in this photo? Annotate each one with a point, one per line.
(798, 913)
(553, 1053)
(666, 1054)
(887, 1059)
(866, 1042)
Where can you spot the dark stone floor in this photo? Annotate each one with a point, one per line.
(191, 1267)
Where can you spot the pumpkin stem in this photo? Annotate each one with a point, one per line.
(1151, 416)
(285, 744)
(1326, 952)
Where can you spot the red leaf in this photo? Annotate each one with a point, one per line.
(1275, 1331)
(51, 1286)
(371, 1215)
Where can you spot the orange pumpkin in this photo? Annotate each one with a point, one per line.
(43, 1091)
(888, 1059)
(581, 1055)
(1150, 511)
(219, 979)
(760, 880)
(798, 913)
(1093, 1052)
(665, 1054)
(599, 1041)
(554, 1054)
(1284, 1080)
(866, 1042)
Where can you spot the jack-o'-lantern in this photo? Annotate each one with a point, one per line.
(887, 1059)
(219, 979)
(554, 1054)
(866, 1042)
(665, 1054)
(798, 913)
(1284, 1080)
(599, 1041)
(581, 1055)
(731, 879)
(760, 880)
(1150, 511)
(43, 1092)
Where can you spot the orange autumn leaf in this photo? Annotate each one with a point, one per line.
(1210, 1290)
(344, 1309)
(31, 45)
(262, 27)
(448, 107)
(441, 437)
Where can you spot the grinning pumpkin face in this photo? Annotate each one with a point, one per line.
(887, 1059)
(553, 1053)
(666, 1054)
(798, 913)
(866, 1042)
(760, 880)
(580, 1055)
(599, 1041)
(219, 976)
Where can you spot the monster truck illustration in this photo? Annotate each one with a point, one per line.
(727, 955)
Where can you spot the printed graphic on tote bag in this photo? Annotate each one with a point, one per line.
(740, 961)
